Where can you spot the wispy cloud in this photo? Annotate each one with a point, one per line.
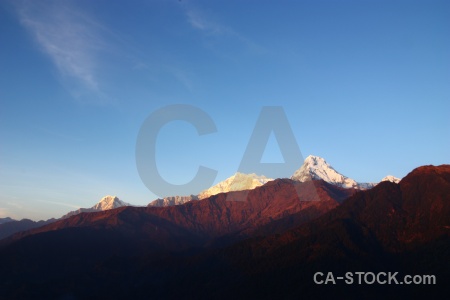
(199, 21)
(60, 203)
(184, 77)
(69, 37)
(212, 28)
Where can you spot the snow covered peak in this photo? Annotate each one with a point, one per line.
(106, 203)
(391, 179)
(237, 182)
(315, 160)
(109, 202)
(316, 168)
(172, 200)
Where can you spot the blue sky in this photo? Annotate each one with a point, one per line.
(364, 84)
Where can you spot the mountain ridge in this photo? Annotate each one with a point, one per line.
(14, 226)
(313, 168)
(390, 228)
(237, 182)
(219, 215)
(6, 220)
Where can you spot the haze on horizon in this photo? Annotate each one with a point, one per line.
(364, 84)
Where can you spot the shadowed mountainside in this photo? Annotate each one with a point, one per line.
(236, 213)
(6, 220)
(117, 254)
(13, 226)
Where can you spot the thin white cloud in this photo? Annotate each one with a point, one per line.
(182, 76)
(60, 203)
(206, 24)
(68, 36)
(199, 21)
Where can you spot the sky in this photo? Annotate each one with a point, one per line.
(363, 84)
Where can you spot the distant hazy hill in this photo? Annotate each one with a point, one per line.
(5, 220)
(9, 226)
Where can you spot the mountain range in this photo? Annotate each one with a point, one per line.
(13, 226)
(313, 168)
(268, 246)
(10, 226)
(6, 220)
(237, 182)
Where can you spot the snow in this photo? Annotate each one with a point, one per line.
(316, 168)
(391, 179)
(237, 182)
(172, 200)
(106, 203)
(109, 202)
(313, 168)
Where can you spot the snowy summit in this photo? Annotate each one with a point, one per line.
(172, 200)
(316, 168)
(106, 203)
(109, 202)
(237, 182)
(391, 179)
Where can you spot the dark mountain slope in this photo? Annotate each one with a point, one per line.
(6, 220)
(391, 228)
(235, 213)
(11, 227)
(400, 228)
